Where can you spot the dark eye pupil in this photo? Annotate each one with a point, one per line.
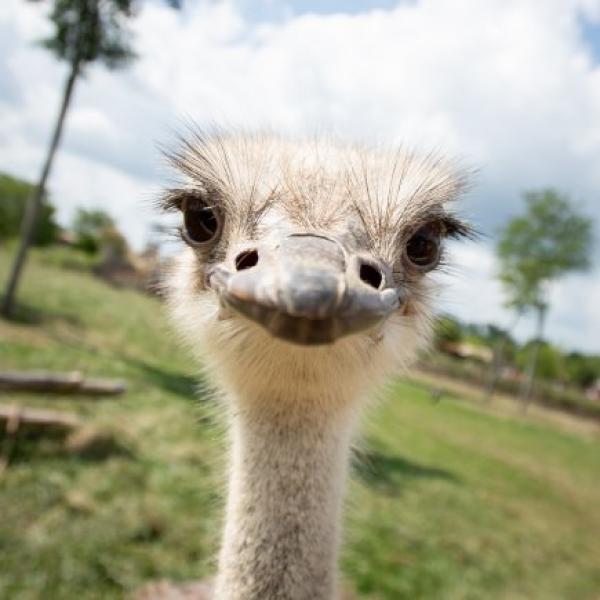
(423, 248)
(201, 223)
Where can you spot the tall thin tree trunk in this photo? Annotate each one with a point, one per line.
(529, 380)
(34, 202)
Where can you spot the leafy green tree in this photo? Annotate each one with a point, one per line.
(13, 198)
(447, 329)
(582, 371)
(89, 226)
(495, 335)
(84, 32)
(537, 248)
(550, 361)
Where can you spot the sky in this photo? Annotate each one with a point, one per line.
(511, 88)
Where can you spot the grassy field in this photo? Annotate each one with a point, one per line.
(447, 501)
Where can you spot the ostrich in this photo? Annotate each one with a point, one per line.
(305, 283)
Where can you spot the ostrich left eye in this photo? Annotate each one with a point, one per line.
(202, 223)
(423, 248)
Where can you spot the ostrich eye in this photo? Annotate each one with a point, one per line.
(423, 248)
(202, 224)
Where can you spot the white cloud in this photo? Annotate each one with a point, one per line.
(508, 85)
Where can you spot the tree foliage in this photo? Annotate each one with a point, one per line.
(86, 31)
(548, 241)
(550, 361)
(582, 370)
(447, 329)
(13, 196)
(89, 226)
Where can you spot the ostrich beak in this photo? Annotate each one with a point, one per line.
(307, 289)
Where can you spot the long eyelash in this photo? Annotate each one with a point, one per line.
(456, 229)
(171, 199)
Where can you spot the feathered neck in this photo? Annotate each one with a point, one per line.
(288, 469)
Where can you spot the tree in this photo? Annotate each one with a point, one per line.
(447, 330)
(582, 371)
(84, 32)
(550, 361)
(13, 198)
(535, 249)
(89, 225)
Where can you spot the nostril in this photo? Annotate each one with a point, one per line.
(246, 260)
(370, 275)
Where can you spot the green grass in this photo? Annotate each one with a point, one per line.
(447, 501)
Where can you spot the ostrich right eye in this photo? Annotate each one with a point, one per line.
(423, 248)
(202, 223)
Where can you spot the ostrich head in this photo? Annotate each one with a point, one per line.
(306, 280)
(308, 264)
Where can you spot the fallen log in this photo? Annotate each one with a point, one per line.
(16, 417)
(58, 383)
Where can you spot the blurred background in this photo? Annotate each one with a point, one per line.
(480, 475)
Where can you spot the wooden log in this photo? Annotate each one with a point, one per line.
(17, 418)
(58, 383)
(10, 439)
(101, 387)
(36, 418)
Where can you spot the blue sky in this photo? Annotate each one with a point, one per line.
(510, 88)
(590, 31)
(273, 10)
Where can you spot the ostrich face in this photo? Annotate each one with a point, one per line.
(315, 245)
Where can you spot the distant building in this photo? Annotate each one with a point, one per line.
(470, 351)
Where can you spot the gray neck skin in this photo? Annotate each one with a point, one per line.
(285, 495)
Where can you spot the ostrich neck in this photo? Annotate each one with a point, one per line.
(285, 494)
